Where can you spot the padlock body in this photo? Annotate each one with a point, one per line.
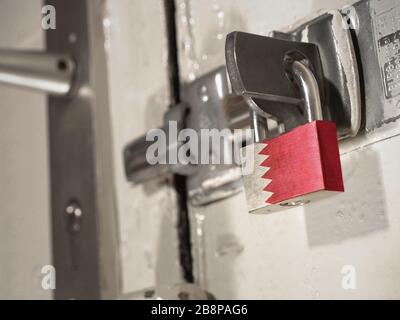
(295, 168)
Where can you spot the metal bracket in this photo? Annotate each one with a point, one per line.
(207, 103)
(257, 71)
(255, 66)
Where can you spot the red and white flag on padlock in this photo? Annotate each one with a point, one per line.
(294, 168)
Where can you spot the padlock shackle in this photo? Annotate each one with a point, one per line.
(310, 96)
(260, 126)
(309, 90)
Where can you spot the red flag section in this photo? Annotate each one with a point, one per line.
(302, 161)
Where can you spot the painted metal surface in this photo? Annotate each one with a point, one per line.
(304, 252)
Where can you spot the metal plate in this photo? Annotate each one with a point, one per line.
(257, 71)
(81, 162)
(377, 47)
(208, 98)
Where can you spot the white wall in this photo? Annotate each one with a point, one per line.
(24, 178)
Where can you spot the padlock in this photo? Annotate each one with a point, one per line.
(299, 166)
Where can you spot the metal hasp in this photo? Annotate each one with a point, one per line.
(84, 228)
(207, 103)
(255, 67)
(213, 105)
(49, 73)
